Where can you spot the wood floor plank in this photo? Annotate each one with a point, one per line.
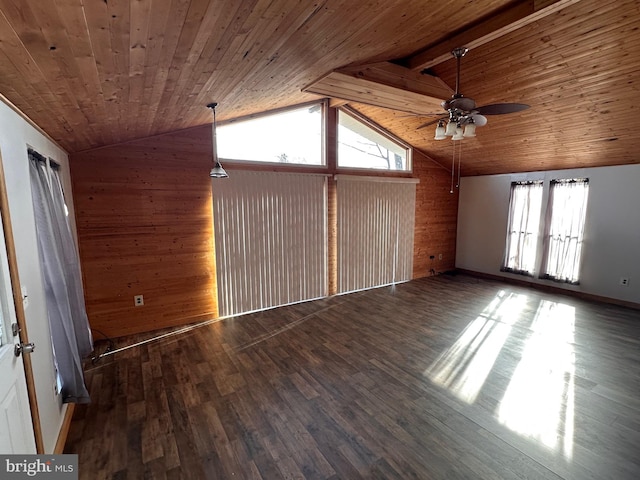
(443, 377)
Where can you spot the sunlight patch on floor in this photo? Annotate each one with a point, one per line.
(539, 401)
(464, 367)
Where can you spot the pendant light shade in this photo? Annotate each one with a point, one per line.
(217, 171)
(469, 130)
(440, 131)
(459, 133)
(451, 128)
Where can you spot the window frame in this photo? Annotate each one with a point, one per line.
(379, 130)
(323, 104)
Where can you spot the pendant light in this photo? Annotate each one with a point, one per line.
(451, 128)
(458, 135)
(469, 129)
(440, 131)
(217, 171)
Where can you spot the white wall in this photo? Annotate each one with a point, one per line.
(612, 231)
(16, 135)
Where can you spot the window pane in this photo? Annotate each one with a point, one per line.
(522, 232)
(565, 229)
(360, 146)
(293, 136)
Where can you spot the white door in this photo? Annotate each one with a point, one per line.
(16, 429)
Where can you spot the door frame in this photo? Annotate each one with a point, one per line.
(19, 308)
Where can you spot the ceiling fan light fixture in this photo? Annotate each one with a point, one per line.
(440, 131)
(459, 133)
(451, 128)
(469, 130)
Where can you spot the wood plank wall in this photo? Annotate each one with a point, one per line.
(436, 217)
(143, 211)
(144, 218)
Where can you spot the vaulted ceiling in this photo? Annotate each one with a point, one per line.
(99, 72)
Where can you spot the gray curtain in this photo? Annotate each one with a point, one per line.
(69, 325)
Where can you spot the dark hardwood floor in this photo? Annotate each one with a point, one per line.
(447, 377)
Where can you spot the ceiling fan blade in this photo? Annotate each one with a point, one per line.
(479, 120)
(414, 115)
(501, 108)
(431, 122)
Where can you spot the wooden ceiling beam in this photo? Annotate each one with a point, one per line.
(384, 85)
(503, 22)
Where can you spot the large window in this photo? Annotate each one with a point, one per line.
(361, 145)
(564, 232)
(522, 233)
(563, 229)
(292, 136)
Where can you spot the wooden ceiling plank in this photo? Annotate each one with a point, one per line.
(232, 28)
(18, 56)
(140, 12)
(286, 42)
(118, 12)
(229, 24)
(161, 42)
(208, 31)
(167, 74)
(70, 55)
(97, 21)
(72, 16)
(498, 25)
(34, 56)
(188, 17)
(248, 55)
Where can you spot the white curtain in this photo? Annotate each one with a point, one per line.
(522, 232)
(376, 219)
(270, 239)
(564, 232)
(69, 325)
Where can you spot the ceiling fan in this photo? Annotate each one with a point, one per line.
(462, 111)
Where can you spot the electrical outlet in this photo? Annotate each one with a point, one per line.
(440, 256)
(138, 300)
(624, 281)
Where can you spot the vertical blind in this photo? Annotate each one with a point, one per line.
(375, 231)
(270, 239)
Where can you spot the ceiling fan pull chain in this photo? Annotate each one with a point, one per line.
(459, 159)
(453, 165)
